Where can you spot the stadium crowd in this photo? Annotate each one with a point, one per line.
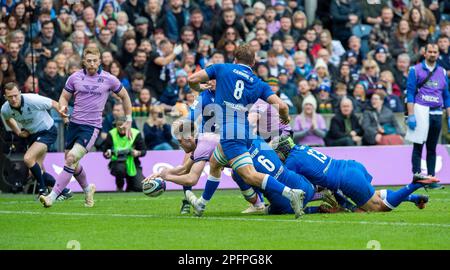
(349, 58)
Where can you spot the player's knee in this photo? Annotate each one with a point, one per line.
(70, 159)
(29, 159)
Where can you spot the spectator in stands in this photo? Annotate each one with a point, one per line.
(49, 39)
(309, 127)
(313, 81)
(104, 43)
(372, 11)
(112, 24)
(106, 11)
(379, 123)
(371, 75)
(345, 14)
(383, 31)
(334, 49)
(89, 19)
(31, 85)
(106, 58)
(401, 70)
(345, 129)
(188, 41)
(123, 24)
(198, 23)
(116, 70)
(67, 50)
(51, 83)
(302, 68)
(142, 29)
(321, 69)
(3, 36)
(303, 91)
(133, 9)
(418, 13)
(249, 20)
(324, 100)
(354, 44)
(287, 87)
(381, 56)
(64, 22)
(145, 101)
(156, 131)
(138, 65)
(300, 22)
(176, 91)
(176, 17)
(340, 93)
(78, 41)
(346, 77)
(402, 41)
(129, 46)
(124, 153)
(61, 62)
(420, 42)
(7, 73)
(160, 67)
(359, 95)
(444, 53)
(228, 19)
(262, 70)
(333, 71)
(137, 83)
(286, 29)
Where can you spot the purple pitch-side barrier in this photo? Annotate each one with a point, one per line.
(389, 165)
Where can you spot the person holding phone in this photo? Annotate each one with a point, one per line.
(157, 132)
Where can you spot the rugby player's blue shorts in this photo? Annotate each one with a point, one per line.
(234, 147)
(356, 183)
(84, 135)
(47, 137)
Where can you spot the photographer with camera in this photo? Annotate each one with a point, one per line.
(124, 154)
(156, 131)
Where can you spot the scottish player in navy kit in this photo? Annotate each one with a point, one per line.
(236, 88)
(30, 111)
(348, 176)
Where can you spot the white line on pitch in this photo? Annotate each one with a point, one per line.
(226, 218)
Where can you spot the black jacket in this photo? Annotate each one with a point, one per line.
(51, 87)
(337, 127)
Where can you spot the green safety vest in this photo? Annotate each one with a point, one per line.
(123, 143)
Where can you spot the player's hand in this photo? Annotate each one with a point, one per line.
(163, 174)
(64, 112)
(24, 133)
(127, 126)
(412, 122)
(151, 177)
(135, 153)
(108, 153)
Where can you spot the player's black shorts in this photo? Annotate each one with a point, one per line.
(47, 137)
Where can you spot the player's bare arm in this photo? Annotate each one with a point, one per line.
(196, 79)
(189, 179)
(12, 124)
(63, 103)
(123, 94)
(283, 108)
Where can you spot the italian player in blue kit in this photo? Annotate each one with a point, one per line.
(348, 176)
(237, 88)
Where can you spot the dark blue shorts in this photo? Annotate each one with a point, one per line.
(234, 147)
(357, 183)
(47, 137)
(281, 205)
(82, 134)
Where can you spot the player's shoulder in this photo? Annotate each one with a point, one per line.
(5, 108)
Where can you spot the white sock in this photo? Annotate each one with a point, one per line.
(203, 201)
(86, 189)
(286, 193)
(53, 196)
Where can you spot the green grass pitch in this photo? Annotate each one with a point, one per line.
(134, 221)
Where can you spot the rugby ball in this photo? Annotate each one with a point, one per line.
(154, 187)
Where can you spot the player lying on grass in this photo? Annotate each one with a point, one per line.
(237, 87)
(31, 111)
(348, 176)
(199, 149)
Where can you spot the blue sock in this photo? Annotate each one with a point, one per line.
(186, 188)
(395, 198)
(270, 184)
(311, 210)
(344, 202)
(210, 187)
(49, 179)
(37, 173)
